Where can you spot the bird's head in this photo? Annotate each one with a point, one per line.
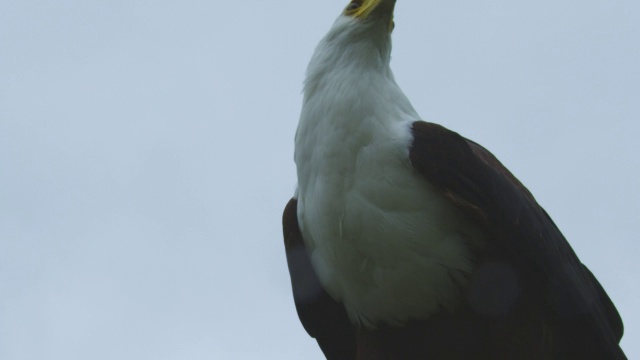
(364, 20)
(358, 40)
(372, 13)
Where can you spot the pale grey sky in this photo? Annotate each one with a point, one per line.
(146, 156)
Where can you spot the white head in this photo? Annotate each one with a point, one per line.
(359, 39)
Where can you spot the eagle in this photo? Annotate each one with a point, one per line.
(405, 240)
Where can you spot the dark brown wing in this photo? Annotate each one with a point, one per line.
(324, 319)
(575, 317)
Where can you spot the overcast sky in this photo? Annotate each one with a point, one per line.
(146, 155)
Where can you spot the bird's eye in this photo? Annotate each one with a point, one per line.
(353, 6)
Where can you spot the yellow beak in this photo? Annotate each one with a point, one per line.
(378, 6)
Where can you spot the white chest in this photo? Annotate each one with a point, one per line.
(382, 239)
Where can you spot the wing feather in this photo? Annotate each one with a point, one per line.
(322, 317)
(522, 234)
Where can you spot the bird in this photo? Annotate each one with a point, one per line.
(405, 240)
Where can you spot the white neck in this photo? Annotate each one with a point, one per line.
(349, 82)
(347, 52)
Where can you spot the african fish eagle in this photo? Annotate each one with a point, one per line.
(405, 240)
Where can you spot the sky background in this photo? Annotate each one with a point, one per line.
(146, 155)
